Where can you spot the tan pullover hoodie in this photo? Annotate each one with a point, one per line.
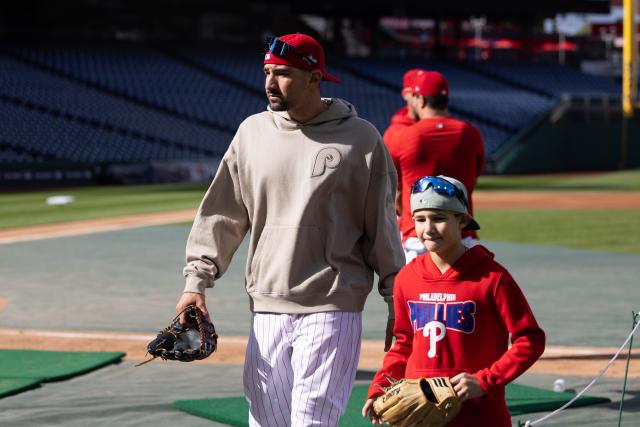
(317, 199)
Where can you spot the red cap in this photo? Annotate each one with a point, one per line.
(430, 83)
(408, 80)
(308, 55)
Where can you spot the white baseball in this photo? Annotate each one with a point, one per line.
(559, 385)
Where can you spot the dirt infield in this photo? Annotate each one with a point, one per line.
(75, 228)
(580, 361)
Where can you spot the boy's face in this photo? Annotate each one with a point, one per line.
(439, 230)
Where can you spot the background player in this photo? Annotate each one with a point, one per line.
(315, 186)
(436, 144)
(405, 116)
(455, 310)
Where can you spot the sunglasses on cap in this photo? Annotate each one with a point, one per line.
(282, 48)
(440, 186)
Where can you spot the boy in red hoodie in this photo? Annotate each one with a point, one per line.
(455, 308)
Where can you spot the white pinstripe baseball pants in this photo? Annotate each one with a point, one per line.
(299, 368)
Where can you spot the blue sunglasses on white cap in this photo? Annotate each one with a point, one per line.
(440, 186)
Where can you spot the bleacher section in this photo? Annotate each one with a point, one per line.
(165, 110)
(9, 155)
(130, 103)
(23, 88)
(67, 140)
(552, 79)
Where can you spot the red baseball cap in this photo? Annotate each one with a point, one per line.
(300, 51)
(408, 80)
(430, 83)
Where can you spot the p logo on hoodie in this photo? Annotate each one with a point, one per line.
(326, 158)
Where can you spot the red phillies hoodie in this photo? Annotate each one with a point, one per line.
(460, 321)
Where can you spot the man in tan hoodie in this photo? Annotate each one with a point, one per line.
(315, 186)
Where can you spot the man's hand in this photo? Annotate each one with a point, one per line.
(367, 410)
(388, 339)
(466, 386)
(189, 298)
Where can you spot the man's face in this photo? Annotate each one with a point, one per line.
(286, 87)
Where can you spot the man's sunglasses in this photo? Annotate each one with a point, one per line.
(281, 48)
(440, 186)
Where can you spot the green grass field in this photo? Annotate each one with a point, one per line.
(24, 209)
(606, 230)
(609, 181)
(609, 230)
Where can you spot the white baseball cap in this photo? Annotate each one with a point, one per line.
(441, 192)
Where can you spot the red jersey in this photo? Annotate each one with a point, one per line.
(399, 121)
(460, 321)
(435, 146)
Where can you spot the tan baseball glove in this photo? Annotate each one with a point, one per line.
(423, 402)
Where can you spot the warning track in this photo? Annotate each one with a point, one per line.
(565, 360)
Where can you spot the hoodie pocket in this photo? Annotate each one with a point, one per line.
(289, 260)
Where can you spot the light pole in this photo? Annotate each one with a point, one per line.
(477, 24)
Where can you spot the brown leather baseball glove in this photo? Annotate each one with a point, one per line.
(423, 402)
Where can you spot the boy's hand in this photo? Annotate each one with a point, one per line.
(466, 386)
(367, 409)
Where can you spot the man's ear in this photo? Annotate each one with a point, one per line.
(315, 77)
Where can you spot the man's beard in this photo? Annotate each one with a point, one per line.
(280, 105)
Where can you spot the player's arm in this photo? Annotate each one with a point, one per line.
(392, 146)
(474, 137)
(381, 245)
(219, 227)
(527, 338)
(399, 197)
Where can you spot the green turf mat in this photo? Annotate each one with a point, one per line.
(9, 386)
(52, 365)
(521, 399)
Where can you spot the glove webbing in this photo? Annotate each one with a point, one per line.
(200, 328)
